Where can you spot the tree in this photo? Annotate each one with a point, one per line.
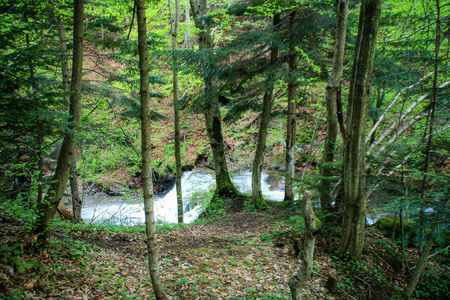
(211, 109)
(176, 109)
(47, 208)
(144, 70)
(332, 94)
(258, 199)
(425, 252)
(76, 199)
(304, 274)
(292, 110)
(31, 109)
(352, 239)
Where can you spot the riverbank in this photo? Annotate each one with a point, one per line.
(236, 255)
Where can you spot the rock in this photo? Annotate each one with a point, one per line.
(163, 183)
(278, 162)
(188, 207)
(187, 168)
(386, 226)
(112, 188)
(131, 184)
(201, 160)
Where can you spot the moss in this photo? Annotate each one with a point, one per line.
(260, 203)
(318, 223)
(224, 187)
(386, 226)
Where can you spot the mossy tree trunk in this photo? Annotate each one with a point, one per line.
(213, 120)
(292, 108)
(47, 208)
(352, 239)
(258, 200)
(147, 185)
(332, 94)
(176, 110)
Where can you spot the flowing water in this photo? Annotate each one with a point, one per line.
(129, 210)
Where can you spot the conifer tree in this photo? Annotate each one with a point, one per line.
(211, 110)
(258, 200)
(47, 208)
(291, 112)
(31, 107)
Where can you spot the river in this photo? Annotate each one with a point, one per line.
(129, 210)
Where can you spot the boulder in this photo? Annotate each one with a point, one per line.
(112, 188)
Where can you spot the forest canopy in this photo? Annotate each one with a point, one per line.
(346, 101)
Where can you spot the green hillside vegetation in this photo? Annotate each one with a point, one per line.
(261, 85)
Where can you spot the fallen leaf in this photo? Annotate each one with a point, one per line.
(30, 284)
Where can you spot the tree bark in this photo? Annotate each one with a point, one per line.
(176, 111)
(77, 202)
(333, 91)
(144, 71)
(47, 208)
(304, 274)
(213, 123)
(188, 40)
(76, 199)
(380, 97)
(352, 239)
(415, 276)
(258, 200)
(291, 129)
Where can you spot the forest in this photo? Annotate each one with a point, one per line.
(221, 149)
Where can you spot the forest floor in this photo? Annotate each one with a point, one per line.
(239, 255)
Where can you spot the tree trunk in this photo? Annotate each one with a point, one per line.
(258, 162)
(213, 123)
(76, 199)
(176, 111)
(296, 281)
(77, 203)
(415, 276)
(258, 199)
(291, 129)
(332, 94)
(380, 97)
(144, 70)
(40, 138)
(224, 186)
(188, 40)
(47, 208)
(352, 240)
